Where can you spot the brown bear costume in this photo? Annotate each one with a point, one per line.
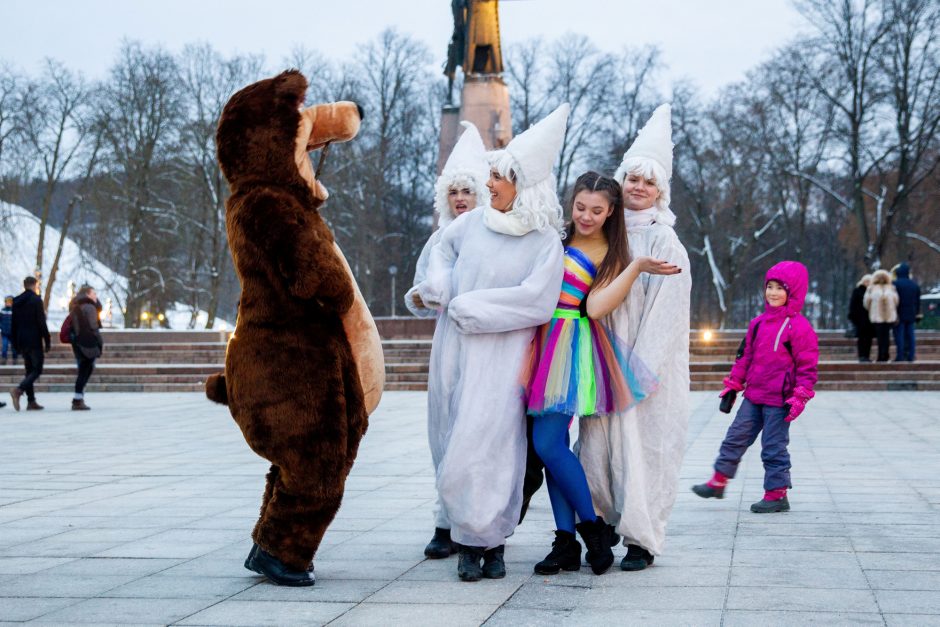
(304, 368)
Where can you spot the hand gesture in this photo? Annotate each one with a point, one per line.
(656, 266)
(416, 301)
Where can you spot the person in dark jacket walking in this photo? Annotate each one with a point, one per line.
(908, 313)
(858, 316)
(85, 312)
(6, 329)
(31, 339)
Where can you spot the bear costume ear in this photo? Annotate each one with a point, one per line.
(290, 87)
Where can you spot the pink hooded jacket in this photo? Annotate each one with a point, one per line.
(781, 350)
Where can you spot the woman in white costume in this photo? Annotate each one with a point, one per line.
(459, 188)
(632, 459)
(496, 274)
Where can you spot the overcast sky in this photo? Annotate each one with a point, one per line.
(713, 43)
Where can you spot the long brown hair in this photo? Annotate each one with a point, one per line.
(615, 229)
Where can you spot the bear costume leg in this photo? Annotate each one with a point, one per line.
(295, 513)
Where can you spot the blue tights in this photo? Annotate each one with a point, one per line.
(567, 485)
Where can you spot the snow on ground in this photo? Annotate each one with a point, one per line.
(19, 234)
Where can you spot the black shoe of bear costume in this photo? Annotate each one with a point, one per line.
(565, 555)
(441, 545)
(493, 565)
(468, 563)
(771, 507)
(274, 569)
(708, 492)
(251, 556)
(637, 558)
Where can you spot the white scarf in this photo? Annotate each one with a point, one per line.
(507, 223)
(643, 217)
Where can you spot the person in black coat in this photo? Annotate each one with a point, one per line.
(85, 312)
(31, 339)
(908, 313)
(858, 316)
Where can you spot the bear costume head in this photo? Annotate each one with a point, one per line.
(263, 119)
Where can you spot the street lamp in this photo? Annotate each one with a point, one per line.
(393, 270)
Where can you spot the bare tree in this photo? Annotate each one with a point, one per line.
(55, 124)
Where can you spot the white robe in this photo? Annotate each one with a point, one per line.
(496, 290)
(632, 459)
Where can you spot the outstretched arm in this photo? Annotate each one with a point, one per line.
(603, 299)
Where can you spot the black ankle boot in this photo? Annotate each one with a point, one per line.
(277, 571)
(441, 545)
(708, 492)
(637, 558)
(596, 536)
(468, 563)
(565, 555)
(493, 565)
(251, 556)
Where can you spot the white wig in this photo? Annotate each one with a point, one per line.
(456, 180)
(650, 170)
(537, 204)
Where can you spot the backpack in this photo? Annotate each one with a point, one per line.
(65, 333)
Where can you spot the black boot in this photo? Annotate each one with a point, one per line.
(596, 536)
(468, 563)
(251, 556)
(764, 506)
(441, 545)
(708, 492)
(274, 569)
(493, 565)
(637, 558)
(614, 536)
(565, 555)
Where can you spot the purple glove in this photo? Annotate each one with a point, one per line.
(797, 402)
(730, 384)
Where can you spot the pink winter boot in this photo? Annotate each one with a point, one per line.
(713, 488)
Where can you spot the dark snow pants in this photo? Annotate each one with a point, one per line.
(750, 421)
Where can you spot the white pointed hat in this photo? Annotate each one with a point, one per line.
(536, 149)
(654, 141)
(466, 164)
(468, 154)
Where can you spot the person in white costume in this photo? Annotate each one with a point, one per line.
(461, 185)
(632, 459)
(460, 188)
(495, 274)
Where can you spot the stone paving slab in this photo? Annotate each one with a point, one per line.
(139, 512)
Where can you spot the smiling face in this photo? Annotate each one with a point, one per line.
(502, 191)
(589, 212)
(775, 294)
(639, 193)
(461, 199)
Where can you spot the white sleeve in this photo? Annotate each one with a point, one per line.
(421, 270)
(502, 309)
(436, 286)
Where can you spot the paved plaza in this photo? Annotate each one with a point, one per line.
(139, 512)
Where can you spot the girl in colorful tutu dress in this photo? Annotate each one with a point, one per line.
(577, 367)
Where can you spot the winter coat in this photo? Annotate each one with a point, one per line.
(908, 295)
(6, 321)
(28, 329)
(86, 325)
(858, 315)
(881, 301)
(781, 350)
(632, 459)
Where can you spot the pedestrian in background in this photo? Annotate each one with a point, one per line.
(85, 312)
(6, 329)
(881, 301)
(858, 316)
(31, 339)
(908, 313)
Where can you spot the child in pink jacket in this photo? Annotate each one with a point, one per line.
(776, 369)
